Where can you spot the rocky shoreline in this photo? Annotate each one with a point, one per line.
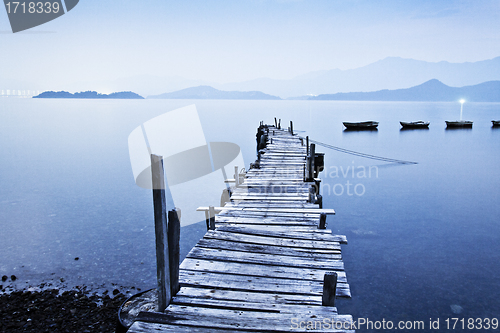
(53, 310)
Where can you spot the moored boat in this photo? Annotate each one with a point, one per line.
(459, 124)
(496, 123)
(361, 125)
(415, 124)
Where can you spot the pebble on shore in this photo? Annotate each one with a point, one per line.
(52, 311)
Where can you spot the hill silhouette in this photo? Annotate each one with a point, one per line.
(207, 92)
(90, 95)
(430, 91)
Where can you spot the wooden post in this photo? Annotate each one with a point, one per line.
(307, 145)
(319, 200)
(236, 176)
(279, 124)
(312, 152)
(174, 235)
(160, 214)
(322, 221)
(291, 127)
(329, 289)
(311, 194)
(211, 212)
(207, 219)
(275, 122)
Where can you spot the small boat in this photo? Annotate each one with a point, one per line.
(415, 124)
(459, 124)
(496, 123)
(361, 125)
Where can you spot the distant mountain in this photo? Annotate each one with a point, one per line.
(432, 91)
(207, 92)
(89, 94)
(389, 73)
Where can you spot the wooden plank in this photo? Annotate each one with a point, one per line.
(306, 228)
(254, 306)
(270, 220)
(235, 268)
(269, 249)
(248, 296)
(287, 234)
(255, 283)
(224, 319)
(275, 210)
(261, 240)
(264, 259)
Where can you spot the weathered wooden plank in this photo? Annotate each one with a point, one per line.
(269, 249)
(250, 269)
(255, 283)
(252, 239)
(306, 228)
(287, 234)
(254, 306)
(264, 259)
(224, 319)
(265, 214)
(270, 220)
(273, 210)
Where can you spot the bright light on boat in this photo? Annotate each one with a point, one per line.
(462, 101)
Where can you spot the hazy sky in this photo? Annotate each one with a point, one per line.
(237, 40)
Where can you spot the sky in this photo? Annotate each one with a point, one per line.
(233, 41)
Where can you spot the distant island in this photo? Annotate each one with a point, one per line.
(89, 95)
(207, 92)
(430, 91)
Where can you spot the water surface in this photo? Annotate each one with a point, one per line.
(424, 239)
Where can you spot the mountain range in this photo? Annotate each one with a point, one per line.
(207, 92)
(432, 91)
(388, 73)
(89, 94)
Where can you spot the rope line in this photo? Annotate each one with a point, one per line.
(356, 153)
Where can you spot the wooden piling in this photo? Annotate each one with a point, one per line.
(174, 234)
(291, 127)
(160, 215)
(322, 221)
(211, 212)
(329, 289)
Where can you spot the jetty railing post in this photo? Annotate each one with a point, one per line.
(236, 176)
(329, 289)
(307, 145)
(322, 221)
(291, 127)
(174, 235)
(310, 163)
(160, 214)
(211, 212)
(275, 123)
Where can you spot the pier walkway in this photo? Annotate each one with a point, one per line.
(263, 267)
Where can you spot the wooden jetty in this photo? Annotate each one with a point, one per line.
(267, 262)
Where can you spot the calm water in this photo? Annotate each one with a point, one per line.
(424, 239)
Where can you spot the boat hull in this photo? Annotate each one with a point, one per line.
(459, 124)
(496, 123)
(361, 125)
(415, 124)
